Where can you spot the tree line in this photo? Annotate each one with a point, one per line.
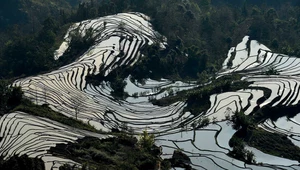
(199, 33)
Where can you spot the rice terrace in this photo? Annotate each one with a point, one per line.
(135, 85)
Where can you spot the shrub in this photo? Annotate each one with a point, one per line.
(146, 141)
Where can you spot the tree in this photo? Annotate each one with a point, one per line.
(10, 97)
(15, 97)
(77, 103)
(275, 44)
(240, 120)
(124, 127)
(271, 15)
(238, 150)
(203, 122)
(204, 4)
(272, 71)
(146, 141)
(228, 113)
(250, 157)
(244, 9)
(118, 85)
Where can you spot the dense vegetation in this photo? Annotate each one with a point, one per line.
(194, 29)
(21, 162)
(249, 133)
(273, 144)
(121, 152)
(202, 93)
(10, 97)
(45, 111)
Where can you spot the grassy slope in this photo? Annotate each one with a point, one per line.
(198, 98)
(44, 111)
(273, 143)
(121, 152)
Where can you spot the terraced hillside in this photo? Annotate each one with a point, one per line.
(119, 40)
(268, 73)
(25, 134)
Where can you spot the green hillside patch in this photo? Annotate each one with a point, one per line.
(273, 144)
(198, 98)
(21, 162)
(45, 111)
(122, 152)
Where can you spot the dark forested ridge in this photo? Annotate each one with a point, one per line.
(21, 162)
(195, 27)
(29, 14)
